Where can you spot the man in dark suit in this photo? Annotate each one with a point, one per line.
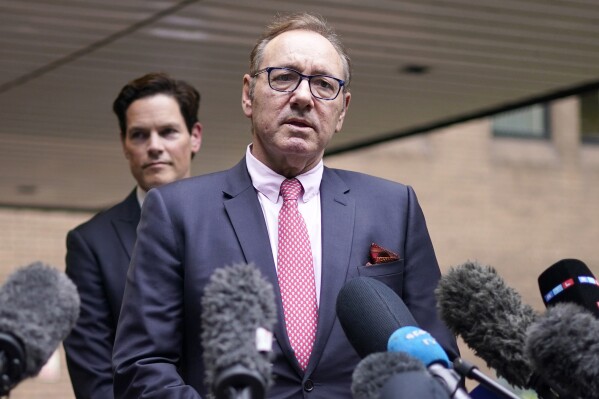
(296, 96)
(160, 134)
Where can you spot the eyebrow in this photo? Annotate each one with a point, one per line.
(174, 125)
(318, 71)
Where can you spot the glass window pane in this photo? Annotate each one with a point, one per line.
(528, 121)
(589, 116)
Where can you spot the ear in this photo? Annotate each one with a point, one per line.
(246, 100)
(346, 100)
(196, 137)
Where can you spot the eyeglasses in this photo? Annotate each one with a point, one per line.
(287, 80)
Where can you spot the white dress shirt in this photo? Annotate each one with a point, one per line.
(268, 185)
(141, 195)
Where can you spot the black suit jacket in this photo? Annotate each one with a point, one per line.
(193, 226)
(98, 255)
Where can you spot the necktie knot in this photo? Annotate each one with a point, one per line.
(291, 189)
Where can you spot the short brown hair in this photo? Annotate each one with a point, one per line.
(154, 83)
(300, 21)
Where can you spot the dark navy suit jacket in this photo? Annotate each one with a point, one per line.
(98, 255)
(191, 227)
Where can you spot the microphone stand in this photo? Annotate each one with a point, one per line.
(469, 370)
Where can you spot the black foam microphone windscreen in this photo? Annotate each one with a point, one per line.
(238, 313)
(476, 304)
(570, 280)
(369, 312)
(375, 370)
(39, 306)
(563, 345)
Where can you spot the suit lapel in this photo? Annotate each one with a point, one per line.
(248, 222)
(338, 213)
(126, 222)
(244, 211)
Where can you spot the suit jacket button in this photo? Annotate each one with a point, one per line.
(308, 386)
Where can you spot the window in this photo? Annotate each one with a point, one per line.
(589, 116)
(526, 122)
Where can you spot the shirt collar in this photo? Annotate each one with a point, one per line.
(141, 195)
(268, 182)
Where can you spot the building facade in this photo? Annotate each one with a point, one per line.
(514, 202)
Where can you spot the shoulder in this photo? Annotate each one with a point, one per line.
(361, 182)
(207, 182)
(189, 192)
(103, 219)
(206, 188)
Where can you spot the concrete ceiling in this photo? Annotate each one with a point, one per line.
(63, 62)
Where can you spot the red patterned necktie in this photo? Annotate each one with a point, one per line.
(295, 271)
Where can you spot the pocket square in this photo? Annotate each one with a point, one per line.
(379, 255)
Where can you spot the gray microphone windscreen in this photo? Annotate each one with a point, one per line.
(237, 303)
(563, 346)
(371, 374)
(476, 304)
(39, 305)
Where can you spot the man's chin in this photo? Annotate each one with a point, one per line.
(297, 146)
(157, 181)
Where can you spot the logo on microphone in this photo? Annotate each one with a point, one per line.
(414, 334)
(587, 280)
(569, 283)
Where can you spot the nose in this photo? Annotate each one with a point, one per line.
(155, 144)
(302, 96)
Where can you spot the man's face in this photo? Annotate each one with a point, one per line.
(157, 143)
(291, 130)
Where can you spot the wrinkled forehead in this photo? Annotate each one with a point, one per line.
(303, 50)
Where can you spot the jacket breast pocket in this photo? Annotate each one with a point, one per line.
(390, 273)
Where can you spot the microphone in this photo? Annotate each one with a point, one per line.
(39, 306)
(476, 304)
(413, 385)
(238, 316)
(563, 346)
(469, 370)
(570, 280)
(391, 375)
(369, 312)
(421, 345)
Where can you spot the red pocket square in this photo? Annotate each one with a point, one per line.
(379, 255)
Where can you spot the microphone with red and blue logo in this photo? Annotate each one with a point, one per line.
(570, 281)
(563, 344)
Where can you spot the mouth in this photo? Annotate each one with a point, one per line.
(155, 164)
(298, 122)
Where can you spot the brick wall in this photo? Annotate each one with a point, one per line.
(519, 205)
(27, 236)
(515, 204)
